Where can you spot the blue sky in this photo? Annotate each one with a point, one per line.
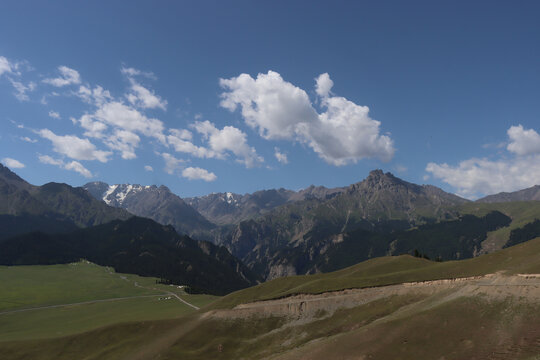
(214, 96)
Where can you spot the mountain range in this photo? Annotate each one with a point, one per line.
(379, 203)
(231, 208)
(156, 203)
(53, 207)
(57, 223)
(136, 246)
(529, 194)
(274, 232)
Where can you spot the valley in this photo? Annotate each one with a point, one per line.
(59, 300)
(383, 308)
(380, 269)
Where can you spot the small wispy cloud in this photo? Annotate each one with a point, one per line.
(28, 140)
(54, 114)
(72, 165)
(67, 76)
(12, 163)
(21, 90)
(196, 173)
(280, 156)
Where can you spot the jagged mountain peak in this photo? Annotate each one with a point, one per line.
(378, 181)
(157, 203)
(380, 177)
(11, 178)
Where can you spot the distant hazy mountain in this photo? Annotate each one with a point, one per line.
(52, 207)
(381, 202)
(231, 208)
(530, 194)
(157, 203)
(138, 246)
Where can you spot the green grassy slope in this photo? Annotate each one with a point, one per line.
(402, 326)
(463, 328)
(30, 286)
(523, 258)
(521, 212)
(99, 297)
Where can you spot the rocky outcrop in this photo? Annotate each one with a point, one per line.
(293, 235)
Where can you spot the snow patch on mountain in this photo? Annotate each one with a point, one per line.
(116, 194)
(109, 191)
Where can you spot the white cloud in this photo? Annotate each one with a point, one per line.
(12, 163)
(131, 72)
(97, 96)
(93, 128)
(19, 126)
(27, 139)
(73, 165)
(475, 177)
(115, 123)
(5, 65)
(228, 139)
(46, 159)
(180, 140)
(498, 145)
(144, 98)
(78, 167)
(74, 147)
(140, 96)
(220, 143)
(124, 141)
(148, 168)
(172, 164)
(68, 76)
(279, 110)
(523, 142)
(268, 103)
(195, 173)
(122, 116)
(280, 156)
(345, 133)
(323, 85)
(54, 114)
(21, 89)
(181, 134)
(481, 176)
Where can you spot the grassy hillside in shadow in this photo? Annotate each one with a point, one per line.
(523, 258)
(405, 326)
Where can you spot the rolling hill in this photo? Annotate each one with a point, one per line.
(530, 194)
(385, 308)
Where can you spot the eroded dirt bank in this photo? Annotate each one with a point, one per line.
(492, 286)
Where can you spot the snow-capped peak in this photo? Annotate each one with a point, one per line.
(109, 191)
(116, 194)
